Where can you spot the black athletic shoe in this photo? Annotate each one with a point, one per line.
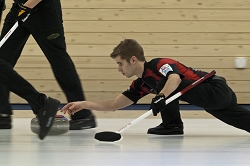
(169, 129)
(47, 115)
(79, 124)
(5, 122)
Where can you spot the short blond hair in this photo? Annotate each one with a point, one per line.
(128, 48)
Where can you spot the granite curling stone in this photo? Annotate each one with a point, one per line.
(59, 127)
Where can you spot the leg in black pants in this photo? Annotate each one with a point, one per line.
(234, 115)
(171, 121)
(219, 100)
(215, 97)
(47, 30)
(45, 108)
(15, 83)
(171, 118)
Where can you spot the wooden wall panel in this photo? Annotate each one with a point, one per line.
(156, 38)
(200, 4)
(113, 74)
(205, 35)
(108, 62)
(153, 50)
(152, 14)
(155, 14)
(149, 4)
(156, 26)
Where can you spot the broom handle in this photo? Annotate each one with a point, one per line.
(14, 27)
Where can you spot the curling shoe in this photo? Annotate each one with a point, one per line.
(80, 124)
(5, 121)
(169, 129)
(47, 115)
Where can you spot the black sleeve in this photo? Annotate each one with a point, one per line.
(134, 92)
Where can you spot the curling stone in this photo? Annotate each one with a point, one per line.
(59, 127)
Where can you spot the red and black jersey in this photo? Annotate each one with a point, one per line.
(154, 71)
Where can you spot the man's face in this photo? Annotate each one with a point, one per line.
(127, 69)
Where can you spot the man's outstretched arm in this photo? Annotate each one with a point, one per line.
(120, 101)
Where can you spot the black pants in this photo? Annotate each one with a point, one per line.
(17, 84)
(216, 97)
(45, 25)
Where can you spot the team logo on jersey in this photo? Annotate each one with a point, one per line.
(165, 69)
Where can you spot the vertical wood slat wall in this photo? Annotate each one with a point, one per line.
(204, 35)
